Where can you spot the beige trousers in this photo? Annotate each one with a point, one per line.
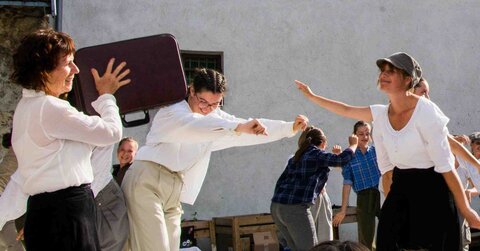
(152, 193)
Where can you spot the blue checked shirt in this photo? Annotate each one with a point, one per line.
(302, 181)
(362, 171)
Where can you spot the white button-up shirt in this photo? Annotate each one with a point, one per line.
(53, 143)
(102, 168)
(183, 141)
(421, 143)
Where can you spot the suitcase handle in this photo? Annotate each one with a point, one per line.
(137, 122)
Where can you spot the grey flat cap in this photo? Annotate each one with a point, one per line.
(403, 61)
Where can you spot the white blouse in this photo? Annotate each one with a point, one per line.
(102, 168)
(53, 141)
(422, 143)
(183, 141)
(13, 203)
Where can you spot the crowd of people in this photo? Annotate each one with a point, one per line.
(59, 173)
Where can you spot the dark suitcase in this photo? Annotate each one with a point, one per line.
(156, 73)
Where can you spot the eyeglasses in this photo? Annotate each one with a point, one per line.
(204, 104)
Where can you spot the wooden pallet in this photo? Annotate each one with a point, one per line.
(231, 230)
(203, 229)
(475, 245)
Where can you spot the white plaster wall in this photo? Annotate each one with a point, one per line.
(267, 44)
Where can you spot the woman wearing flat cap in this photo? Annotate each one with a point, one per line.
(415, 161)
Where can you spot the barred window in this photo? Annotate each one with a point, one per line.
(200, 59)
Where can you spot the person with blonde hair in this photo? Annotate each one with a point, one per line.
(415, 160)
(126, 151)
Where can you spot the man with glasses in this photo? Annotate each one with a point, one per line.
(172, 165)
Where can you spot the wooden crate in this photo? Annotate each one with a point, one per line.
(203, 229)
(231, 229)
(350, 217)
(475, 245)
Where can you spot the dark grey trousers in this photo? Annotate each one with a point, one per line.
(296, 224)
(111, 218)
(8, 238)
(368, 207)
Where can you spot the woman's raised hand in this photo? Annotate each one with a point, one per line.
(304, 88)
(111, 80)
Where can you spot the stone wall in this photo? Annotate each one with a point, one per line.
(15, 23)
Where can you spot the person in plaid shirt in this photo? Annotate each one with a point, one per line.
(363, 175)
(300, 184)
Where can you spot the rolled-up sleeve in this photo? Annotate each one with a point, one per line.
(347, 174)
(433, 129)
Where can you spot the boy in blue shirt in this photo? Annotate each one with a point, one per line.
(363, 175)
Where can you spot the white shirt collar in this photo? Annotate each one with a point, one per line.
(28, 93)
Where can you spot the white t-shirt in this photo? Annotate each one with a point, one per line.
(422, 143)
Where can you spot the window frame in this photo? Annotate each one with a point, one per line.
(187, 54)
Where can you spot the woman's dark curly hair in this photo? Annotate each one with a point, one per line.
(37, 55)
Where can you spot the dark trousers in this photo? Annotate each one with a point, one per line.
(63, 220)
(418, 213)
(112, 220)
(368, 207)
(296, 224)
